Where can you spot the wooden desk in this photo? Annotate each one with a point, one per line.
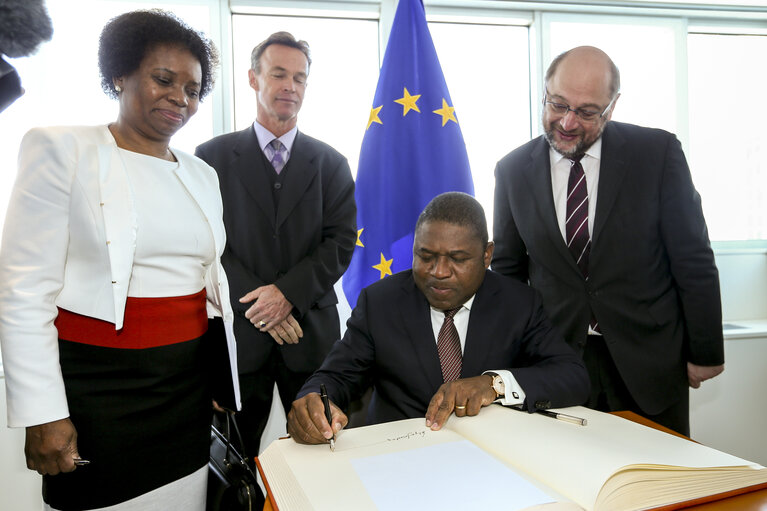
(752, 501)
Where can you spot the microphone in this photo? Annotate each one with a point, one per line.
(24, 25)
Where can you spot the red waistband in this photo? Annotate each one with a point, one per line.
(148, 323)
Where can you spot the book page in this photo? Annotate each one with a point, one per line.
(454, 475)
(578, 460)
(312, 477)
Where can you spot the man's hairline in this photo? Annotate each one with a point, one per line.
(308, 64)
(467, 225)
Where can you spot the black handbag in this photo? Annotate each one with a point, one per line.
(232, 484)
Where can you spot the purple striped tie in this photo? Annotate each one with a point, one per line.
(449, 348)
(577, 223)
(277, 161)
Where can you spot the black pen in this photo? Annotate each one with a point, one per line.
(564, 417)
(328, 415)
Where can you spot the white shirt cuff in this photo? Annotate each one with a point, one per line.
(514, 393)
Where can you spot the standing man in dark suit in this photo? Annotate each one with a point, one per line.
(602, 218)
(290, 220)
(448, 336)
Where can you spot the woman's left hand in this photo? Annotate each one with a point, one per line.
(51, 448)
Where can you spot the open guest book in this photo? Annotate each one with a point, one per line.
(503, 458)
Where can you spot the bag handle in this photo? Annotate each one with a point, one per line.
(230, 421)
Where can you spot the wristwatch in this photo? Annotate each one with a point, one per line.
(498, 386)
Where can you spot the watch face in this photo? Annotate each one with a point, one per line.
(498, 385)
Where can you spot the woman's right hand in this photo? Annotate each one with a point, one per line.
(52, 447)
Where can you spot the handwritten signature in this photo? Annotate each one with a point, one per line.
(407, 436)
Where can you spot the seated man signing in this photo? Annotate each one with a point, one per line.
(448, 336)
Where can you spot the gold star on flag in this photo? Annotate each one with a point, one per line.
(359, 241)
(384, 266)
(446, 112)
(408, 102)
(374, 116)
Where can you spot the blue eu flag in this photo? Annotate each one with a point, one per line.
(412, 151)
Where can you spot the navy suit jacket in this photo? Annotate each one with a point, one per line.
(389, 343)
(653, 285)
(303, 247)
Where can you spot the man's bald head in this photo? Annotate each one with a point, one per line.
(590, 60)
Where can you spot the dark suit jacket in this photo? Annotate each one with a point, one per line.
(303, 249)
(389, 342)
(653, 285)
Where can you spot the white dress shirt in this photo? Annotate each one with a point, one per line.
(514, 394)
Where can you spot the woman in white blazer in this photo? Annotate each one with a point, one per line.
(109, 280)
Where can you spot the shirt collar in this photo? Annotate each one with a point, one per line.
(265, 136)
(467, 304)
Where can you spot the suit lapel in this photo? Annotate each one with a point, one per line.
(538, 175)
(477, 338)
(612, 170)
(249, 165)
(300, 173)
(414, 314)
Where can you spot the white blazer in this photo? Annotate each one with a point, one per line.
(69, 241)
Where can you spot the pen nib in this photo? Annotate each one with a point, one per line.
(332, 445)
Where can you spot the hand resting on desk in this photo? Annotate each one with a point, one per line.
(464, 397)
(307, 423)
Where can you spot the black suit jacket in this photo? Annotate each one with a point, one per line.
(303, 248)
(653, 284)
(389, 342)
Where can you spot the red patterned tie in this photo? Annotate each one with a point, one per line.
(449, 348)
(577, 223)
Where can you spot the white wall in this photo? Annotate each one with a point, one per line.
(728, 412)
(743, 279)
(19, 487)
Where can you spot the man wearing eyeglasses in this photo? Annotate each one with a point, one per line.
(603, 219)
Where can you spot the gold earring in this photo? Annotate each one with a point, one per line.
(118, 88)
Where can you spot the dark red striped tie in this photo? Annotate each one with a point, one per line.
(449, 348)
(577, 222)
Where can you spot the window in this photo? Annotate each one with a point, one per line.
(728, 152)
(486, 68)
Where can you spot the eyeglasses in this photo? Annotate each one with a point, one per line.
(582, 113)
